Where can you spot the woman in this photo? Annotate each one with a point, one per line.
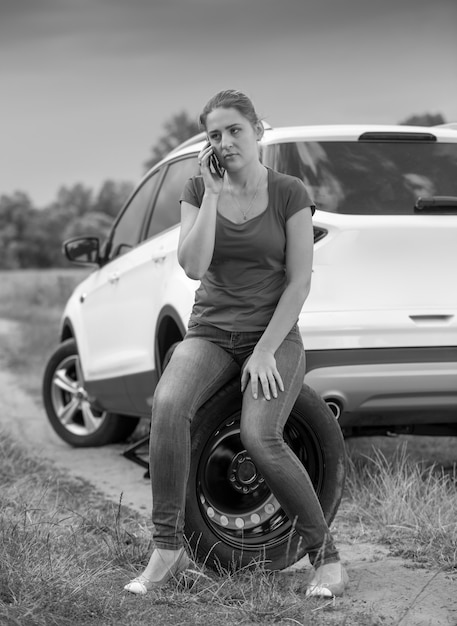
(247, 235)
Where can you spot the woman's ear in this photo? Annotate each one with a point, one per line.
(259, 129)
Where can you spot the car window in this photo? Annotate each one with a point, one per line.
(167, 210)
(369, 177)
(127, 230)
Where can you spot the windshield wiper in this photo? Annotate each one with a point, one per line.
(436, 203)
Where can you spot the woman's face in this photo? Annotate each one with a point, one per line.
(233, 137)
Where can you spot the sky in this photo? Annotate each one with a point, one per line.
(87, 85)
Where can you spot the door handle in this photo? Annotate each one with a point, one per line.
(431, 319)
(159, 260)
(114, 277)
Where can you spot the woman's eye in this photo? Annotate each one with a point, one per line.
(235, 131)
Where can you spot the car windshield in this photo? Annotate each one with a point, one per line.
(369, 177)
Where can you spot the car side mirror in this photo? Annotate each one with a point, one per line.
(82, 250)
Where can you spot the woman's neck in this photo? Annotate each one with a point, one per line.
(247, 176)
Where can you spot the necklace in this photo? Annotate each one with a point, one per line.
(245, 213)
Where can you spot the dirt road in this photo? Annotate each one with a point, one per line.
(390, 590)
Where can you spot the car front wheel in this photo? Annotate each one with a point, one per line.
(68, 406)
(232, 517)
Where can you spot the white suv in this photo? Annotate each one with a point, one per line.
(379, 326)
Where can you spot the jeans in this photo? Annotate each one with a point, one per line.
(202, 363)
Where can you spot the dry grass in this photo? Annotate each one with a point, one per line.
(27, 292)
(35, 299)
(65, 554)
(411, 504)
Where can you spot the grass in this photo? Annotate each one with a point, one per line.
(411, 505)
(35, 300)
(66, 552)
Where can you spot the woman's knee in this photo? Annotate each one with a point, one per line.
(255, 439)
(168, 406)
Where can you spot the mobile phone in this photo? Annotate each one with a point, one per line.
(215, 166)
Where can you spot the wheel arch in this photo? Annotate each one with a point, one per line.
(67, 331)
(169, 330)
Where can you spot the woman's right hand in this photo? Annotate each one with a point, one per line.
(213, 182)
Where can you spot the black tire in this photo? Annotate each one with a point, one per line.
(215, 499)
(68, 408)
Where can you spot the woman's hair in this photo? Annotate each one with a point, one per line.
(230, 99)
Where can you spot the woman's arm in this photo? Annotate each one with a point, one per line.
(299, 259)
(198, 226)
(197, 235)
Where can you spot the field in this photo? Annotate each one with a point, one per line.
(35, 299)
(65, 551)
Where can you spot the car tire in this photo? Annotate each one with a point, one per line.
(228, 527)
(68, 408)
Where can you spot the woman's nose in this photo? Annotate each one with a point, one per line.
(226, 140)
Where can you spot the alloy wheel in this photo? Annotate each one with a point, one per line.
(70, 400)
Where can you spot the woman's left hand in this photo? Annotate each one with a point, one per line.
(261, 367)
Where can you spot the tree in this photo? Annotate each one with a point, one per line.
(15, 214)
(75, 200)
(177, 129)
(92, 224)
(112, 197)
(426, 119)
(31, 237)
(41, 245)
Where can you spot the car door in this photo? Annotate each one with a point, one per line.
(104, 337)
(145, 273)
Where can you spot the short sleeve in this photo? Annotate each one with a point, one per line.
(193, 191)
(298, 198)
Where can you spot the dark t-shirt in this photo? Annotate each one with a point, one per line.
(246, 277)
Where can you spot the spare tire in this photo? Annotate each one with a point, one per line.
(230, 523)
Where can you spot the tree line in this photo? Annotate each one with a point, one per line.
(32, 237)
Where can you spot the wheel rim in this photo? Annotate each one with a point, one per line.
(233, 497)
(70, 400)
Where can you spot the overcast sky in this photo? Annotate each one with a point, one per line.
(86, 85)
